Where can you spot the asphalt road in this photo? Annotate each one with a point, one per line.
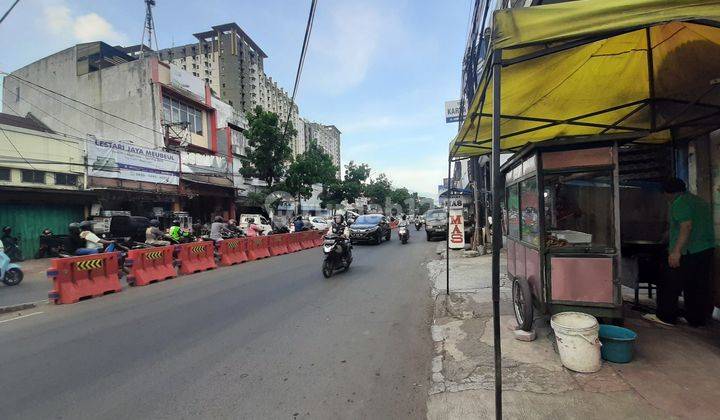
(266, 339)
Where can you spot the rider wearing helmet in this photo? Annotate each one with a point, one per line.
(175, 231)
(93, 243)
(340, 228)
(403, 221)
(154, 236)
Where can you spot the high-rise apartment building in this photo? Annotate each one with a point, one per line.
(327, 137)
(232, 64)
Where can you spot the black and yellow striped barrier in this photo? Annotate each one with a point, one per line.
(199, 249)
(89, 264)
(154, 255)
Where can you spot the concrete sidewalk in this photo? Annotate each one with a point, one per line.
(674, 375)
(33, 289)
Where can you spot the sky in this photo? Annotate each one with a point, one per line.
(379, 70)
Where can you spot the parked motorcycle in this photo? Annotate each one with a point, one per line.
(403, 234)
(337, 256)
(11, 274)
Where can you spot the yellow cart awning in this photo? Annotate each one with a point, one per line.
(647, 70)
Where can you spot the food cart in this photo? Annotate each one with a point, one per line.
(562, 229)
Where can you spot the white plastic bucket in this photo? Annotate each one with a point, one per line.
(577, 340)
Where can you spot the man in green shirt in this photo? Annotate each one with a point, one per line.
(690, 257)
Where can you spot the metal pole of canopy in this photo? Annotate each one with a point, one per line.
(496, 229)
(447, 239)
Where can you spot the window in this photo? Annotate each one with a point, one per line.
(4, 174)
(529, 211)
(33, 177)
(175, 111)
(513, 206)
(66, 179)
(579, 209)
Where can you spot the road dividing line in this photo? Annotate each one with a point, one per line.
(20, 316)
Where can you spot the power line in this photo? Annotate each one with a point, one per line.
(80, 102)
(9, 10)
(303, 51)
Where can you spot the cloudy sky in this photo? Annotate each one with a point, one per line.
(379, 70)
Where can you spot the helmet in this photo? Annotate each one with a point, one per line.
(218, 219)
(154, 223)
(176, 222)
(74, 227)
(404, 217)
(7, 229)
(232, 222)
(86, 225)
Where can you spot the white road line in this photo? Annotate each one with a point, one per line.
(21, 316)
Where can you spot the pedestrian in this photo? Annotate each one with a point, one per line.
(690, 257)
(298, 224)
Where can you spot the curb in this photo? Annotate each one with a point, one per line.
(19, 307)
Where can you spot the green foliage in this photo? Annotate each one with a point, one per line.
(268, 149)
(379, 190)
(402, 197)
(314, 166)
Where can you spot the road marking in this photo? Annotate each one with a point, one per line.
(21, 316)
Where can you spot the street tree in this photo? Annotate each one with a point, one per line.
(379, 189)
(354, 182)
(268, 150)
(314, 166)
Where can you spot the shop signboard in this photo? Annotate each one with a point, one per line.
(452, 111)
(456, 228)
(108, 159)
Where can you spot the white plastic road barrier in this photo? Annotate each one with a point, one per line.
(577, 340)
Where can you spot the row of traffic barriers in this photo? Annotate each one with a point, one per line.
(78, 278)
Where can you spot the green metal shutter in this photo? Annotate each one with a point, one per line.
(29, 220)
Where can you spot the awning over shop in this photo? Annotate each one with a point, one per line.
(646, 70)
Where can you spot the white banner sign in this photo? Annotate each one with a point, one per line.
(452, 111)
(456, 231)
(109, 159)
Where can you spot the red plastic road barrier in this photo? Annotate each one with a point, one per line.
(233, 251)
(293, 242)
(150, 265)
(277, 245)
(258, 247)
(83, 277)
(196, 256)
(306, 241)
(318, 238)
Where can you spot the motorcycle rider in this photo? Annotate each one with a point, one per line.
(217, 228)
(175, 231)
(154, 236)
(298, 224)
(12, 250)
(93, 244)
(253, 229)
(340, 228)
(234, 229)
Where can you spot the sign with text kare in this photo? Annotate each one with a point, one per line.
(456, 224)
(452, 111)
(109, 159)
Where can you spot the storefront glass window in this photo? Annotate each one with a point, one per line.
(579, 209)
(513, 206)
(529, 211)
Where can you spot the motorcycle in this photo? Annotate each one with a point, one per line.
(403, 234)
(418, 224)
(10, 273)
(335, 257)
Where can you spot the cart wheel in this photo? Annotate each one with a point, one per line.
(522, 303)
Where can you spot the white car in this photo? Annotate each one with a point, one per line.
(260, 220)
(319, 223)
